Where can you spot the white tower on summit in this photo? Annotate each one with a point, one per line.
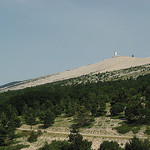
(115, 53)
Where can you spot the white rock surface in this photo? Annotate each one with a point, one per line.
(116, 63)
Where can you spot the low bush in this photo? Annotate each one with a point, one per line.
(19, 135)
(113, 145)
(56, 145)
(137, 144)
(136, 130)
(117, 117)
(33, 136)
(124, 128)
(147, 131)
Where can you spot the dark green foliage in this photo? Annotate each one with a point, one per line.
(113, 145)
(117, 108)
(147, 92)
(56, 145)
(17, 147)
(30, 117)
(124, 128)
(136, 129)
(135, 112)
(33, 136)
(98, 106)
(147, 113)
(57, 110)
(32, 98)
(46, 146)
(93, 96)
(9, 121)
(62, 97)
(147, 131)
(83, 117)
(47, 117)
(77, 142)
(117, 117)
(137, 144)
(121, 95)
(71, 108)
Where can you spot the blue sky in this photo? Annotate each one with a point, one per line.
(40, 37)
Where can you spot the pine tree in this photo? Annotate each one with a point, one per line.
(30, 117)
(83, 117)
(8, 124)
(47, 117)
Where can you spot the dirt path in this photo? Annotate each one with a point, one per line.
(50, 135)
(85, 134)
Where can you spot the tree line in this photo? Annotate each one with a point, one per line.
(42, 104)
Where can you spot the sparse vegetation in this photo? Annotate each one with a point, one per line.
(75, 142)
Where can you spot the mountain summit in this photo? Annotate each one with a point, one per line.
(108, 65)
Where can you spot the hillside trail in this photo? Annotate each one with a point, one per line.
(84, 134)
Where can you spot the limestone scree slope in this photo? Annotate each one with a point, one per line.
(115, 63)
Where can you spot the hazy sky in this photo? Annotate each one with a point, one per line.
(40, 37)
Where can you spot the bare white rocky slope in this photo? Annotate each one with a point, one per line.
(116, 63)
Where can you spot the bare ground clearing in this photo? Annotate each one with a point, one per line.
(101, 130)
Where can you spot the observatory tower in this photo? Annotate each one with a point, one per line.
(115, 53)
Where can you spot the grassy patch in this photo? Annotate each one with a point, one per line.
(15, 142)
(63, 121)
(26, 133)
(19, 135)
(69, 119)
(59, 120)
(88, 126)
(107, 120)
(121, 123)
(108, 106)
(136, 129)
(117, 117)
(147, 131)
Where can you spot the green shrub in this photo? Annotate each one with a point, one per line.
(147, 131)
(113, 145)
(136, 130)
(19, 135)
(33, 136)
(124, 128)
(39, 132)
(117, 108)
(56, 145)
(137, 144)
(117, 117)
